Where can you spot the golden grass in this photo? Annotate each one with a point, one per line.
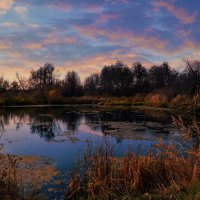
(163, 171)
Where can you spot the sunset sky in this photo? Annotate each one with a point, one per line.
(84, 35)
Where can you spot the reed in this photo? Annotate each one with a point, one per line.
(163, 172)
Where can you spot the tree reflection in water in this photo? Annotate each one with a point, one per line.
(49, 122)
(45, 126)
(72, 120)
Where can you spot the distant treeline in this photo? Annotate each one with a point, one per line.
(113, 80)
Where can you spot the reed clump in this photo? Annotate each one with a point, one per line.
(163, 172)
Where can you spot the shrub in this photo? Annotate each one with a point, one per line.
(156, 100)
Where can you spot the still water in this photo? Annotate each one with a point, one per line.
(61, 134)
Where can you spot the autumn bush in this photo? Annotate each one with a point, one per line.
(157, 100)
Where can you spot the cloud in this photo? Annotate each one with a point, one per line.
(5, 6)
(117, 1)
(33, 46)
(55, 38)
(4, 46)
(86, 35)
(33, 25)
(93, 8)
(124, 38)
(183, 33)
(62, 6)
(180, 13)
(21, 10)
(9, 24)
(106, 17)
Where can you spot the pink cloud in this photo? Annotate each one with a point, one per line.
(183, 33)
(106, 17)
(4, 46)
(179, 13)
(86, 65)
(125, 38)
(5, 6)
(54, 38)
(93, 8)
(62, 6)
(33, 46)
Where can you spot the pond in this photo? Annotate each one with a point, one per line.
(60, 134)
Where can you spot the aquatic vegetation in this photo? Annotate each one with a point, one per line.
(137, 130)
(23, 176)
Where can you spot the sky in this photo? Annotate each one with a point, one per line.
(85, 35)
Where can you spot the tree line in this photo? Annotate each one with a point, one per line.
(113, 80)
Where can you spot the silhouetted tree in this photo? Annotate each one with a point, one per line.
(4, 85)
(159, 76)
(24, 84)
(43, 78)
(193, 75)
(72, 85)
(116, 79)
(14, 87)
(92, 84)
(139, 78)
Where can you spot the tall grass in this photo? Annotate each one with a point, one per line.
(164, 172)
(190, 131)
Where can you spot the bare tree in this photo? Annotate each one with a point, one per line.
(193, 73)
(21, 81)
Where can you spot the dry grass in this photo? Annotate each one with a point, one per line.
(180, 102)
(190, 131)
(163, 172)
(23, 177)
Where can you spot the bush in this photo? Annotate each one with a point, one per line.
(156, 100)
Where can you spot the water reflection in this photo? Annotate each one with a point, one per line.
(51, 122)
(72, 120)
(60, 133)
(45, 126)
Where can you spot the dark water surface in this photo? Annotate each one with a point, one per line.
(62, 133)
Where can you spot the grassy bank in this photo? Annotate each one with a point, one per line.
(152, 100)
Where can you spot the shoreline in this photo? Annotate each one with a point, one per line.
(89, 105)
